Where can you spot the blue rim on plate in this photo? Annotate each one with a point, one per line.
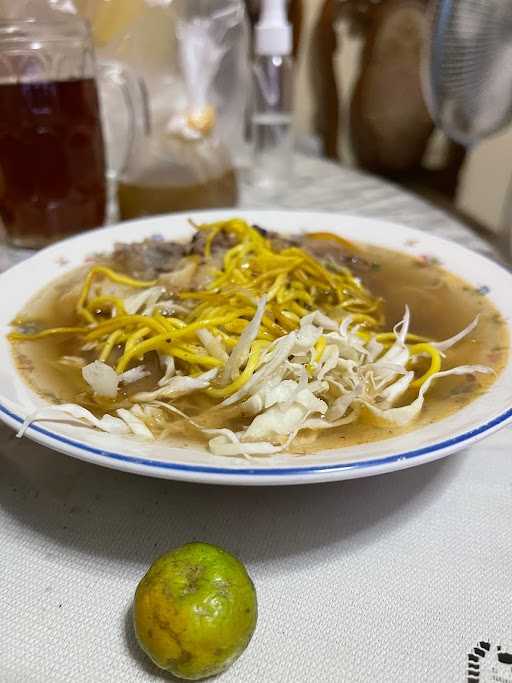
(204, 469)
(341, 463)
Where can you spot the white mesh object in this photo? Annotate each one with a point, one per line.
(468, 67)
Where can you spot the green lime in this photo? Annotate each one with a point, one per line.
(195, 611)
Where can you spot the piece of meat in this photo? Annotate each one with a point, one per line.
(332, 252)
(153, 257)
(146, 260)
(221, 242)
(279, 242)
(326, 251)
(181, 278)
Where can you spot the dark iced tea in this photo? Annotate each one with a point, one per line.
(52, 167)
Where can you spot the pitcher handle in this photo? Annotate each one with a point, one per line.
(134, 95)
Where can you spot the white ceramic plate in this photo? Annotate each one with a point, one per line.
(475, 421)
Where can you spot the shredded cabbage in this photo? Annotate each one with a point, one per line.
(179, 385)
(102, 379)
(107, 423)
(241, 351)
(294, 388)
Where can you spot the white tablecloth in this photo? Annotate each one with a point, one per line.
(387, 579)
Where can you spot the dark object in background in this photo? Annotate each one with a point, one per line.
(52, 168)
(390, 127)
(327, 115)
(390, 123)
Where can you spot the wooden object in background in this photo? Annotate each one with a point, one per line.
(326, 117)
(296, 17)
(390, 127)
(390, 123)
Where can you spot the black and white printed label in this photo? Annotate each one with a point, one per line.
(489, 663)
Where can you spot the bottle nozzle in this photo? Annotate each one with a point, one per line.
(273, 32)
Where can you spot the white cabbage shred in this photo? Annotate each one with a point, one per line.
(350, 378)
(144, 301)
(105, 381)
(320, 376)
(102, 379)
(240, 352)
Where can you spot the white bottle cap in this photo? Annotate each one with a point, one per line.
(273, 32)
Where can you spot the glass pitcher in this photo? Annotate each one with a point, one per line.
(52, 163)
(161, 161)
(175, 159)
(172, 163)
(53, 170)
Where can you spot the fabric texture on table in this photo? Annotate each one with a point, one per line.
(386, 579)
(392, 578)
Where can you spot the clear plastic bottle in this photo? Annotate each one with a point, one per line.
(272, 112)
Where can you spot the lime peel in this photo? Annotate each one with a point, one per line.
(195, 611)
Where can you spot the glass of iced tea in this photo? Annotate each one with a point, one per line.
(52, 165)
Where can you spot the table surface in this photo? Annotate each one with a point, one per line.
(392, 578)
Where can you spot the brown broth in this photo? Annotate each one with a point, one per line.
(138, 199)
(441, 305)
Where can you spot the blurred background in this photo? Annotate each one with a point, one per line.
(359, 93)
(359, 101)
